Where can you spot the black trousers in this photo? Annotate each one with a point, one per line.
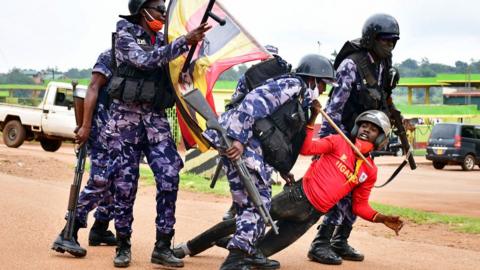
(291, 210)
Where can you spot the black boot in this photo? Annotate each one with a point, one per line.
(231, 213)
(321, 251)
(69, 245)
(236, 260)
(260, 262)
(123, 254)
(99, 234)
(340, 244)
(163, 254)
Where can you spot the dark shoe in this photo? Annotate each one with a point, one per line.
(231, 213)
(260, 262)
(163, 254)
(340, 244)
(321, 251)
(123, 254)
(62, 245)
(99, 234)
(236, 260)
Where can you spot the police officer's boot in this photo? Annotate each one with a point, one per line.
(260, 262)
(123, 254)
(69, 245)
(321, 251)
(163, 254)
(231, 213)
(340, 244)
(236, 260)
(99, 234)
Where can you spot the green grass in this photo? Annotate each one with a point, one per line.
(419, 152)
(196, 183)
(457, 223)
(22, 86)
(225, 85)
(439, 77)
(438, 109)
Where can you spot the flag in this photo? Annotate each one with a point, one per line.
(223, 47)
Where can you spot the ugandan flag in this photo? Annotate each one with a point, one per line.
(223, 47)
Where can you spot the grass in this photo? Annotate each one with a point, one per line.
(439, 109)
(439, 77)
(22, 86)
(462, 224)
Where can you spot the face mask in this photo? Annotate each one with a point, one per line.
(382, 51)
(364, 146)
(154, 25)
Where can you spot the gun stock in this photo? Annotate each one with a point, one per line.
(79, 168)
(196, 100)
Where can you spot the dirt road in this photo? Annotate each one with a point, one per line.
(34, 198)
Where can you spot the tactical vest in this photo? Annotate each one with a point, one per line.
(133, 85)
(369, 93)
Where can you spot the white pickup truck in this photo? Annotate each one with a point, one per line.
(51, 122)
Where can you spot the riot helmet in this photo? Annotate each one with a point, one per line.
(314, 65)
(134, 6)
(378, 118)
(383, 25)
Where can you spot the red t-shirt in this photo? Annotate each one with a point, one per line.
(336, 173)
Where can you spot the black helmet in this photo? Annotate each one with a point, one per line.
(379, 24)
(134, 7)
(315, 65)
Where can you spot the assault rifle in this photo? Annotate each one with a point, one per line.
(81, 153)
(195, 99)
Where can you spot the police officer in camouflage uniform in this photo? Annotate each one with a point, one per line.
(366, 79)
(141, 92)
(98, 191)
(259, 103)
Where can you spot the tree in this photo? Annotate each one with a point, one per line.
(15, 76)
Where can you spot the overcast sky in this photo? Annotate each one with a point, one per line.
(71, 33)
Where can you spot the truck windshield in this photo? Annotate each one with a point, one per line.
(444, 131)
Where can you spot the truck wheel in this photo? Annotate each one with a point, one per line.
(14, 134)
(438, 165)
(468, 163)
(50, 145)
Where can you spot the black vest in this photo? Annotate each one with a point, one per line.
(133, 85)
(367, 93)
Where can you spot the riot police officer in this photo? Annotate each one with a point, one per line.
(141, 92)
(366, 79)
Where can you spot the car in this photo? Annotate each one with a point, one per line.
(454, 144)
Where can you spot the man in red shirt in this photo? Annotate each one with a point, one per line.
(336, 173)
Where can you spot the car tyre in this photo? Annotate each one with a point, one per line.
(438, 165)
(50, 145)
(14, 134)
(468, 163)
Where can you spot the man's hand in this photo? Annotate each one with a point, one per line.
(235, 152)
(392, 222)
(288, 177)
(81, 134)
(197, 34)
(316, 107)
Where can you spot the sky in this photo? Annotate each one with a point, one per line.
(71, 33)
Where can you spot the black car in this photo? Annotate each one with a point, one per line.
(454, 144)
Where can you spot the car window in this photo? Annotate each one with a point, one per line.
(477, 132)
(467, 132)
(64, 97)
(444, 131)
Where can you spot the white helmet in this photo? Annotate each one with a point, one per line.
(381, 120)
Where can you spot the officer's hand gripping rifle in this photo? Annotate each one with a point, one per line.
(81, 153)
(195, 99)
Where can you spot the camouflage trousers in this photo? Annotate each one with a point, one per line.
(131, 131)
(98, 190)
(250, 226)
(341, 213)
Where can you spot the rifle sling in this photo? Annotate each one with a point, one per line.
(395, 173)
